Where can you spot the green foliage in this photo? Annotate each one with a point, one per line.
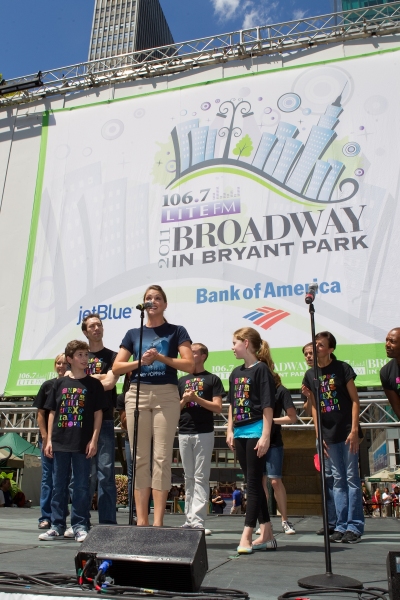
(244, 147)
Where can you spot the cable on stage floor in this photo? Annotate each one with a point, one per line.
(369, 593)
(95, 586)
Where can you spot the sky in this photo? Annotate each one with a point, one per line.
(47, 34)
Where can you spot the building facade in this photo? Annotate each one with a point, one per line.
(123, 26)
(353, 4)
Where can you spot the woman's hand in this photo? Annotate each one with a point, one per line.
(230, 440)
(149, 357)
(262, 445)
(305, 391)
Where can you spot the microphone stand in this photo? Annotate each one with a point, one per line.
(327, 579)
(136, 421)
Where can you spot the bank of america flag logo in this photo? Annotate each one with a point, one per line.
(265, 317)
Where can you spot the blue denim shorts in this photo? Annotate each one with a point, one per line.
(274, 462)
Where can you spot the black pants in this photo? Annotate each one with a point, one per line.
(253, 468)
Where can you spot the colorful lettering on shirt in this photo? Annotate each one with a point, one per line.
(196, 385)
(95, 366)
(72, 407)
(328, 394)
(241, 403)
(398, 384)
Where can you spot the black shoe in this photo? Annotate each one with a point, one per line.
(351, 538)
(321, 531)
(337, 536)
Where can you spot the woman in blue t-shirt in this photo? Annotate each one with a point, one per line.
(159, 404)
(252, 399)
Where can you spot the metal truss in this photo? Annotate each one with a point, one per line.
(374, 414)
(282, 38)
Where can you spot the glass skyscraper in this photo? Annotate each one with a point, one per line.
(123, 26)
(353, 4)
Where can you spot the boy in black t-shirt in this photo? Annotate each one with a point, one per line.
(76, 404)
(201, 396)
(390, 373)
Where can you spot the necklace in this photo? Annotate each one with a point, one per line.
(253, 365)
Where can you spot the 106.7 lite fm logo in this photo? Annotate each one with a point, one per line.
(302, 172)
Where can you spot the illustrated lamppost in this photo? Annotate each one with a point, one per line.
(223, 112)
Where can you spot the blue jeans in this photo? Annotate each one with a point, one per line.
(330, 500)
(274, 462)
(46, 490)
(103, 467)
(346, 488)
(80, 500)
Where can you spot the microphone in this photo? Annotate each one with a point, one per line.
(144, 306)
(310, 296)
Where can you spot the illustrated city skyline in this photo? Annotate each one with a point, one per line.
(280, 158)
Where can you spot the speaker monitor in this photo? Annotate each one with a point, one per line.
(173, 559)
(393, 572)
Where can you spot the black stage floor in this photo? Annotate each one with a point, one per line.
(264, 575)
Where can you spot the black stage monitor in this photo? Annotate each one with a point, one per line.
(173, 559)
(393, 572)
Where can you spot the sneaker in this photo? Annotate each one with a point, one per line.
(50, 535)
(269, 545)
(45, 524)
(69, 533)
(321, 531)
(186, 526)
(258, 532)
(288, 527)
(206, 531)
(337, 536)
(351, 538)
(81, 536)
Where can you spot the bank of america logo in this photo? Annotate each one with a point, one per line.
(265, 317)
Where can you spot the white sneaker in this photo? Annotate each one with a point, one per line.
(207, 532)
(258, 532)
(49, 535)
(81, 536)
(288, 527)
(69, 533)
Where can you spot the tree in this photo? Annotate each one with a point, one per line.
(243, 147)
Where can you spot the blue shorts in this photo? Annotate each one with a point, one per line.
(274, 462)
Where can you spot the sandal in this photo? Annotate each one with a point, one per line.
(44, 525)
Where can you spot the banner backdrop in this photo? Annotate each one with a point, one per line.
(234, 196)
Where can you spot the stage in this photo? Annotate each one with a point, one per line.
(264, 575)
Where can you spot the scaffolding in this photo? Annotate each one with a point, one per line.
(280, 39)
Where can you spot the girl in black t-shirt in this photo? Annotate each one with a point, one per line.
(340, 406)
(252, 399)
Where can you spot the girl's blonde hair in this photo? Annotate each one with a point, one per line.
(261, 349)
(58, 357)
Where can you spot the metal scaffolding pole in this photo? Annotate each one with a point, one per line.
(282, 38)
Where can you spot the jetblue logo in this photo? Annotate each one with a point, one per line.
(105, 311)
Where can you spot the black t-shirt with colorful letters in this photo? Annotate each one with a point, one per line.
(100, 363)
(283, 401)
(390, 376)
(41, 398)
(74, 401)
(250, 391)
(195, 418)
(335, 402)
